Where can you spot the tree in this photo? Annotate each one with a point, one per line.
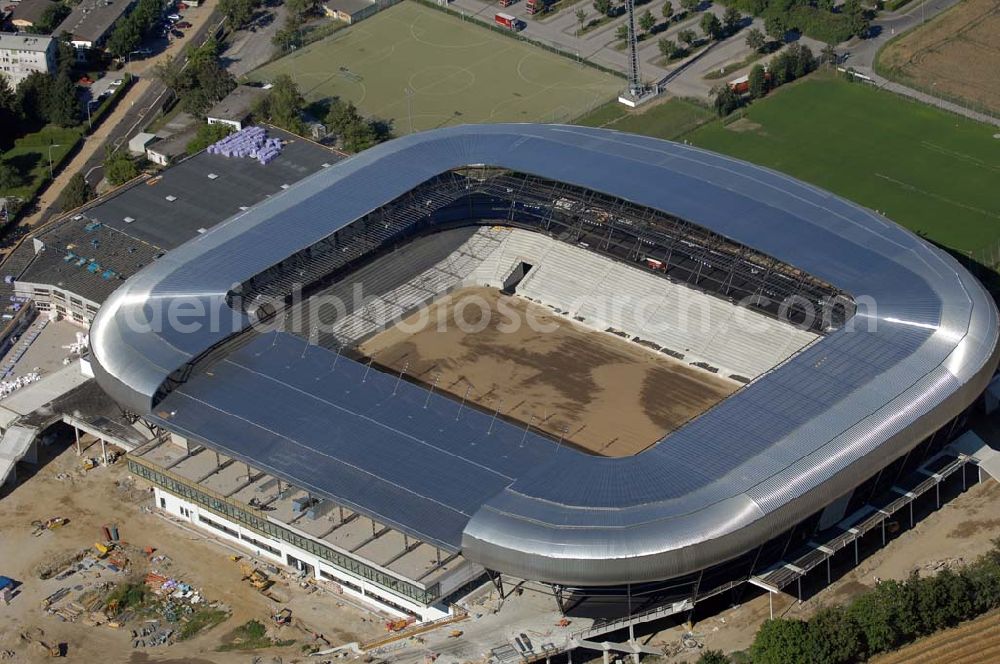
(621, 34)
(668, 11)
(9, 114)
(303, 8)
(603, 7)
(50, 19)
(687, 36)
(647, 21)
(775, 27)
(119, 167)
(581, 18)
(340, 116)
(825, 5)
(711, 26)
(239, 12)
(834, 638)
(669, 48)
(757, 82)
(32, 97)
(10, 177)
(354, 132)
(781, 641)
(828, 55)
(62, 107)
(755, 39)
(76, 193)
(125, 37)
(857, 17)
(726, 101)
(713, 657)
(289, 37)
(690, 5)
(283, 104)
(206, 135)
(731, 20)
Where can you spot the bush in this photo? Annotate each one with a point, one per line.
(781, 641)
(206, 135)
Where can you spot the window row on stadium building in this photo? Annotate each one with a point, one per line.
(232, 511)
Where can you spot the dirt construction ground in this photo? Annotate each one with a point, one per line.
(955, 55)
(108, 495)
(610, 396)
(959, 532)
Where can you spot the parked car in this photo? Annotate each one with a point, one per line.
(173, 17)
(177, 33)
(183, 24)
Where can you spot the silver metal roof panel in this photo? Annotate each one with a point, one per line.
(770, 455)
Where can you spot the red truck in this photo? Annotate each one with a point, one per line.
(506, 3)
(507, 21)
(535, 6)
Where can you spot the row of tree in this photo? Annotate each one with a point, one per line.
(890, 615)
(132, 29)
(794, 62)
(820, 19)
(39, 99)
(200, 83)
(711, 26)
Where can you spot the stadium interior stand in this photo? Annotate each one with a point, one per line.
(595, 290)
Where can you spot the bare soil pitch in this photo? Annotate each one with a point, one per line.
(610, 396)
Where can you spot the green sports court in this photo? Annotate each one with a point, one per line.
(414, 63)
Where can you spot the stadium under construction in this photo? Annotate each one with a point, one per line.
(855, 351)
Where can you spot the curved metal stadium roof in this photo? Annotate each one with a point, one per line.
(776, 451)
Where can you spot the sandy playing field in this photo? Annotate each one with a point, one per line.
(956, 55)
(610, 396)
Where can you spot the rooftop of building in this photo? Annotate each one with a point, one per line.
(199, 192)
(25, 42)
(237, 104)
(348, 6)
(93, 251)
(91, 20)
(32, 11)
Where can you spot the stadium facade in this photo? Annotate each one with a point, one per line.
(902, 341)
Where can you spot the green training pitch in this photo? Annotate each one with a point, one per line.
(456, 71)
(933, 172)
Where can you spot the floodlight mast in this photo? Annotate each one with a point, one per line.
(634, 82)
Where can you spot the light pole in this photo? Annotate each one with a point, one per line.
(89, 102)
(52, 145)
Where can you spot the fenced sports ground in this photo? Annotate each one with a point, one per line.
(415, 65)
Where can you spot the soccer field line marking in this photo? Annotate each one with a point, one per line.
(962, 156)
(939, 197)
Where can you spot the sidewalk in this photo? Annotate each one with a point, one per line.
(91, 144)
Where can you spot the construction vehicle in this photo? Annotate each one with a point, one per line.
(102, 550)
(282, 617)
(398, 624)
(455, 633)
(88, 463)
(257, 579)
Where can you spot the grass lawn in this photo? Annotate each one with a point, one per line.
(30, 155)
(669, 119)
(457, 72)
(931, 171)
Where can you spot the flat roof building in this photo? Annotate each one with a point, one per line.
(90, 23)
(236, 108)
(74, 264)
(22, 54)
(350, 11)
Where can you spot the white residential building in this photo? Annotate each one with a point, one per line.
(22, 54)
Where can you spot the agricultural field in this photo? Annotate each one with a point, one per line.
(974, 642)
(415, 65)
(933, 172)
(669, 119)
(955, 56)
